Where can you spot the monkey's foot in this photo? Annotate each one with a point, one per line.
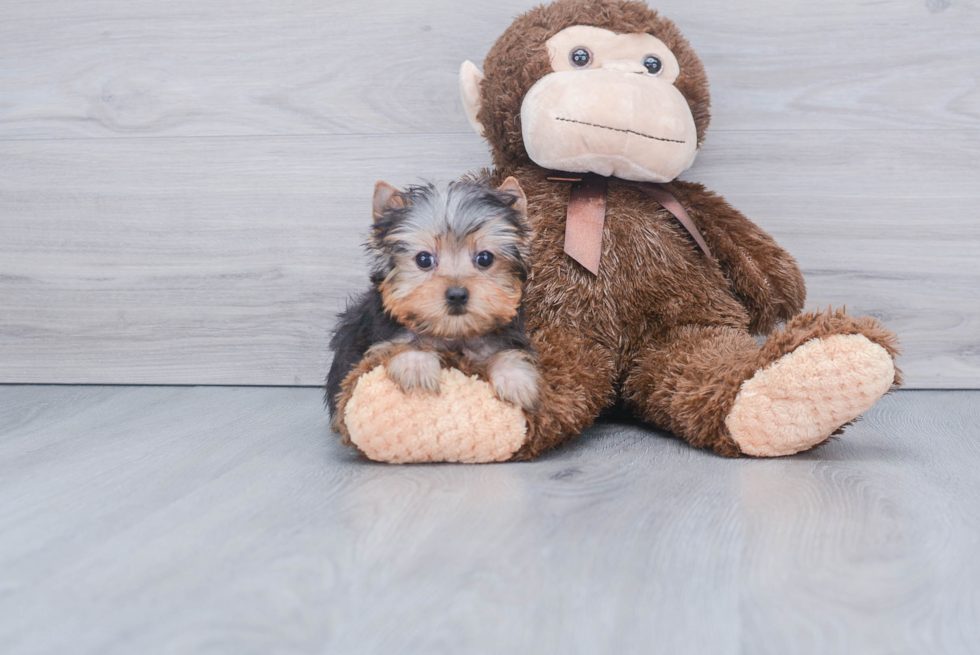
(464, 423)
(802, 398)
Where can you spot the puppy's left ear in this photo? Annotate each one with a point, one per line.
(386, 197)
(513, 188)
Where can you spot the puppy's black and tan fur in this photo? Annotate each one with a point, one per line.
(447, 288)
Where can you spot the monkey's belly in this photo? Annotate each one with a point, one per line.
(651, 276)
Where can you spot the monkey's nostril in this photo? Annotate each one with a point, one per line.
(457, 296)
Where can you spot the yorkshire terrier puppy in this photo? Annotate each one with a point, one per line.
(446, 290)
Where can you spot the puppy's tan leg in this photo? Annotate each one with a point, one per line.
(515, 379)
(415, 370)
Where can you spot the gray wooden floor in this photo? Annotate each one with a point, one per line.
(229, 520)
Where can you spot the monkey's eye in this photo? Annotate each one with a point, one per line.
(580, 57)
(484, 259)
(425, 260)
(653, 64)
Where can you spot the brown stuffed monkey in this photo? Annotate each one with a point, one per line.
(642, 288)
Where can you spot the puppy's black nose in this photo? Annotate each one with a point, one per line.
(457, 296)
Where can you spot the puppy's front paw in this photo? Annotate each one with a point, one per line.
(515, 380)
(415, 369)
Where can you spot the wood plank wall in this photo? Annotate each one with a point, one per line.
(184, 185)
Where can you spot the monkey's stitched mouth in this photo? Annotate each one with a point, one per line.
(618, 129)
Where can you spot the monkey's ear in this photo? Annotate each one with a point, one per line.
(513, 187)
(470, 78)
(386, 197)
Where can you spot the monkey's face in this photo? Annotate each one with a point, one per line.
(586, 87)
(610, 107)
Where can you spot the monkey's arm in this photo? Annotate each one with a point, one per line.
(764, 277)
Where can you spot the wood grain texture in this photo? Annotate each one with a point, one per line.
(223, 261)
(223, 520)
(186, 68)
(183, 185)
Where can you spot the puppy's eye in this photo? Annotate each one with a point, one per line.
(580, 57)
(484, 259)
(653, 64)
(425, 260)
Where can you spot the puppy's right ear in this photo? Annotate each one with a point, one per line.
(513, 187)
(386, 197)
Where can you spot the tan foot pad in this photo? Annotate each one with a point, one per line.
(464, 423)
(801, 399)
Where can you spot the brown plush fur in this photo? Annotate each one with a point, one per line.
(663, 327)
(688, 380)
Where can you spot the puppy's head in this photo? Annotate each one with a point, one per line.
(450, 261)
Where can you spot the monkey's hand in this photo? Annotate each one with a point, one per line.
(515, 379)
(415, 370)
(764, 277)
